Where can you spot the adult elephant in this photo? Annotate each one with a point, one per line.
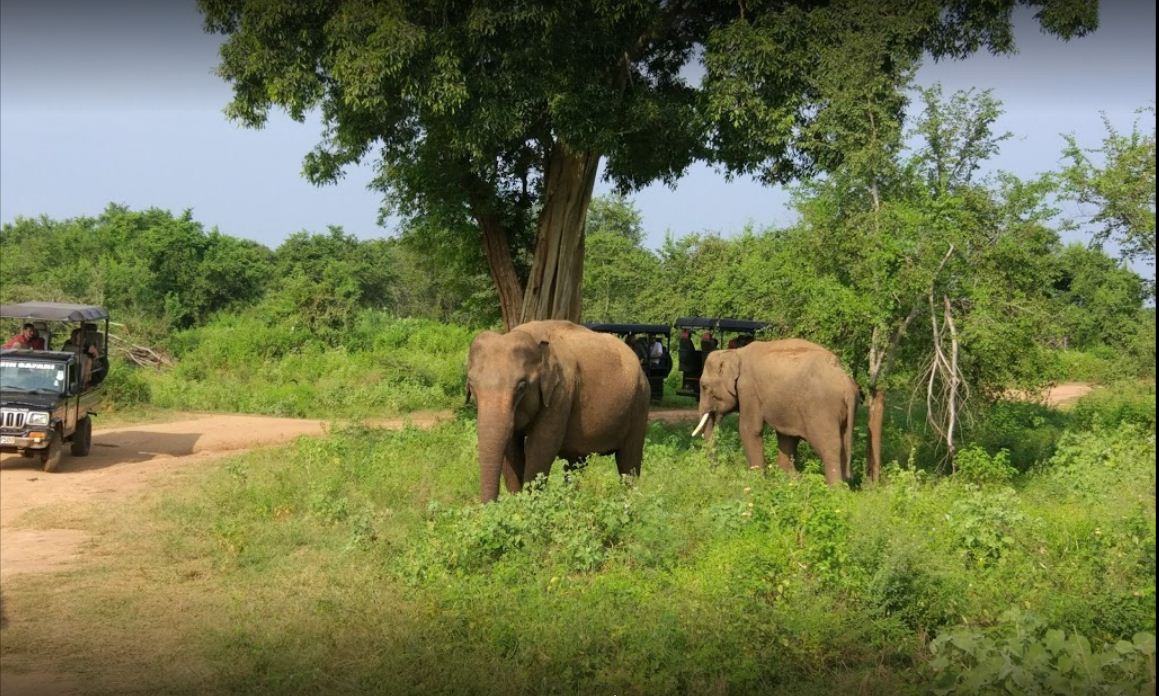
(797, 387)
(549, 389)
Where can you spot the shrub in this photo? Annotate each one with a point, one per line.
(975, 466)
(1028, 432)
(260, 364)
(1022, 656)
(125, 386)
(909, 589)
(548, 525)
(1102, 463)
(1129, 402)
(984, 524)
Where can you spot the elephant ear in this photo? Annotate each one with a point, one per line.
(550, 374)
(729, 366)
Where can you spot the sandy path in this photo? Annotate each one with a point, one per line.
(123, 460)
(126, 459)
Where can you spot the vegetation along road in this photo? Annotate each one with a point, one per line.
(126, 459)
(131, 459)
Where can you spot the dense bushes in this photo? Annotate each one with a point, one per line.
(1127, 402)
(253, 363)
(698, 578)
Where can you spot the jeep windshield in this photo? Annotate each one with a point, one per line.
(32, 376)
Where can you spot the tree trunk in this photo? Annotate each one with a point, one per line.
(498, 254)
(881, 352)
(554, 289)
(876, 412)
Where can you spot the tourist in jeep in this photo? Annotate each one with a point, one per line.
(22, 340)
(88, 354)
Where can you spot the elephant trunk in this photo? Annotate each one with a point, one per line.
(495, 428)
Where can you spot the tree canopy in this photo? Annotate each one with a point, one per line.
(502, 114)
(1120, 189)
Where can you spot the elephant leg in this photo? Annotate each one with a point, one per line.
(829, 449)
(513, 464)
(787, 453)
(752, 429)
(542, 447)
(631, 454)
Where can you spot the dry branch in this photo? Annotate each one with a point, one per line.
(142, 356)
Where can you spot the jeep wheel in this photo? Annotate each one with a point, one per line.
(52, 456)
(82, 439)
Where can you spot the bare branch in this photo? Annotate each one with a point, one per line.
(142, 356)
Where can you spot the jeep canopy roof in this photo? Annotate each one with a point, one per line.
(53, 311)
(719, 324)
(662, 329)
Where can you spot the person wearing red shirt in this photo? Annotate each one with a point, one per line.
(23, 339)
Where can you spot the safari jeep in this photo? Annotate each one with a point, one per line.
(44, 400)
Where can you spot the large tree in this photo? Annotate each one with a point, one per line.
(502, 113)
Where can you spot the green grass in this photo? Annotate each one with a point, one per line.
(363, 563)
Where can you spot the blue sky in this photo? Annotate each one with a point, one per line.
(96, 108)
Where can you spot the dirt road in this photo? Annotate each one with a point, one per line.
(129, 458)
(126, 459)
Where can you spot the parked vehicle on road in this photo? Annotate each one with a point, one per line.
(48, 397)
(698, 336)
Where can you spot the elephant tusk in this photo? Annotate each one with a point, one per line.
(703, 421)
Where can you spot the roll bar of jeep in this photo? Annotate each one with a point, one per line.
(63, 312)
(692, 359)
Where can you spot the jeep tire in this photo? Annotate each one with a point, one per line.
(52, 456)
(82, 439)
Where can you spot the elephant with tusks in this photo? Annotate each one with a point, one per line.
(796, 387)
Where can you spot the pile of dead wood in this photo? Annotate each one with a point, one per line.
(142, 356)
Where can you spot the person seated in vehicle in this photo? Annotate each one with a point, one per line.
(689, 356)
(640, 347)
(665, 365)
(22, 340)
(37, 342)
(707, 343)
(92, 339)
(88, 354)
(656, 352)
(634, 343)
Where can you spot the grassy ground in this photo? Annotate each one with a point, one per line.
(363, 563)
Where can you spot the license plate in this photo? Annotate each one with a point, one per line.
(7, 440)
